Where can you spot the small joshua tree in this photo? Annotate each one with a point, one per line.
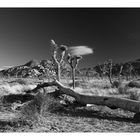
(100, 70)
(120, 72)
(107, 70)
(73, 62)
(58, 56)
(129, 70)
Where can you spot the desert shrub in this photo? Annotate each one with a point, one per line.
(106, 87)
(50, 104)
(30, 111)
(116, 84)
(122, 89)
(20, 81)
(42, 104)
(133, 84)
(134, 96)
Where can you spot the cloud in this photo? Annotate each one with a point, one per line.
(80, 50)
(7, 66)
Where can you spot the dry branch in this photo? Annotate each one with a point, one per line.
(112, 102)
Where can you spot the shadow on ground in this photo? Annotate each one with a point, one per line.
(97, 113)
(17, 97)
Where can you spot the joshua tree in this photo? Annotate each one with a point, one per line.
(100, 70)
(107, 70)
(73, 62)
(120, 72)
(58, 56)
(90, 73)
(129, 70)
(74, 55)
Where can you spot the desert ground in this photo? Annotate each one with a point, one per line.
(21, 111)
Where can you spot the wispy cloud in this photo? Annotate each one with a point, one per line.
(80, 50)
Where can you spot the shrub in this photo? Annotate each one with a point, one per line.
(134, 94)
(122, 89)
(20, 81)
(133, 84)
(116, 84)
(49, 104)
(42, 104)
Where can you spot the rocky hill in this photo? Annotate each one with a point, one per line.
(47, 68)
(31, 69)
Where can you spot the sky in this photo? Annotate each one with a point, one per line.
(112, 33)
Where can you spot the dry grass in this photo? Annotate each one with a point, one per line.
(45, 113)
(15, 87)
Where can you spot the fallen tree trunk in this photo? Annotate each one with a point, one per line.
(112, 102)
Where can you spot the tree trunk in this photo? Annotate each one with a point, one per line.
(58, 71)
(112, 102)
(110, 78)
(73, 77)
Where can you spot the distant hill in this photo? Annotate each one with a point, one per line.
(43, 68)
(32, 68)
(135, 68)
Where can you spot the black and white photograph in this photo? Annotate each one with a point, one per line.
(69, 69)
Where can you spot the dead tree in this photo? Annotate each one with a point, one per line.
(111, 102)
(58, 57)
(73, 62)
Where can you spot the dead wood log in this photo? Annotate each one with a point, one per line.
(126, 104)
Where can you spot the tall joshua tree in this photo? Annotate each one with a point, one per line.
(73, 62)
(74, 55)
(58, 57)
